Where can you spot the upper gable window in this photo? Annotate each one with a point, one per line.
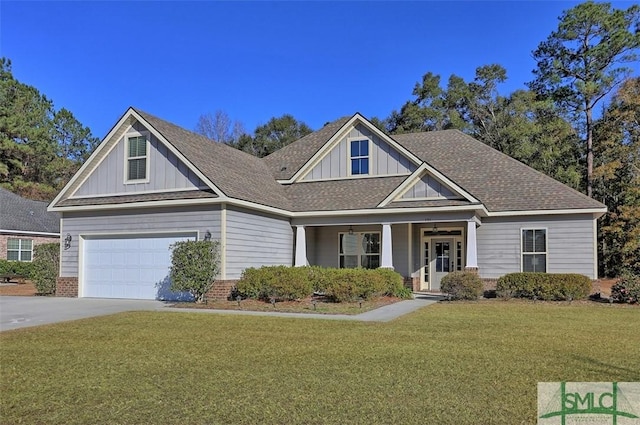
(137, 158)
(359, 157)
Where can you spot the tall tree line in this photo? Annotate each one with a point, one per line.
(40, 147)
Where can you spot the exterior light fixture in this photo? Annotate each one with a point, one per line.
(207, 235)
(435, 228)
(67, 241)
(351, 230)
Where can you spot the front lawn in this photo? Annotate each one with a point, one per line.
(469, 363)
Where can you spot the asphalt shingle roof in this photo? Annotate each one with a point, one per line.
(20, 214)
(236, 173)
(285, 162)
(341, 194)
(141, 197)
(500, 182)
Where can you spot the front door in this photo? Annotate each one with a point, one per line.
(441, 261)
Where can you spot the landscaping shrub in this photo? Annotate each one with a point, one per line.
(544, 286)
(462, 285)
(46, 263)
(627, 290)
(194, 267)
(18, 268)
(340, 285)
(280, 282)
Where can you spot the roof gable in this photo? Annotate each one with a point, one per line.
(500, 182)
(308, 152)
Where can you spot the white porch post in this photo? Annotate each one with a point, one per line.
(387, 250)
(301, 247)
(472, 250)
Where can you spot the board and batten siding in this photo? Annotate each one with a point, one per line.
(255, 240)
(139, 221)
(383, 159)
(428, 187)
(570, 244)
(166, 172)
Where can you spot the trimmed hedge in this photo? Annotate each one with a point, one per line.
(46, 264)
(194, 267)
(294, 283)
(627, 290)
(544, 286)
(18, 268)
(462, 285)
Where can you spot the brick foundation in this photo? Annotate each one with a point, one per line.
(221, 289)
(67, 287)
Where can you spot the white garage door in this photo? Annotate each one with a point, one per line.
(134, 266)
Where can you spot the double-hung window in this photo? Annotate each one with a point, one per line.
(359, 250)
(534, 250)
(359, 157)
(19, 249)
(136, 158)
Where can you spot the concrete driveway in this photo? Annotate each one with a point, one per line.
(22, 312)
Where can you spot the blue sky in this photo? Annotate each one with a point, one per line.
(255, 60)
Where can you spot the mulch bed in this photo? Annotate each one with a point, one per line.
(26, 289)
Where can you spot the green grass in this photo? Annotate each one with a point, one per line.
(450, 363)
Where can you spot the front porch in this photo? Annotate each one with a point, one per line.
(423, 252)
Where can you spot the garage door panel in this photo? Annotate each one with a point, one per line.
(129, 266)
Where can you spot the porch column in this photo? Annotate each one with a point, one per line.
(387, 250)
(301, 247)
(472, 250)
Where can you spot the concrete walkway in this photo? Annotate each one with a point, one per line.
(20, 312)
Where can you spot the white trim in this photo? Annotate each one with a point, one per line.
(335, 139)
(300, 259)
(546, 247)
(471, 245)
(60, 251)
(548, 212)
(410, 251)
(356, 177)
(223, 241)
(432, 198)
(386, 254)
(350, 157)
(417, 175)
(142, 192)
(595, 248)
(96, 235)
(24, 232)
(147, 157)
(89, 164)
(339, 213)
(360, 252)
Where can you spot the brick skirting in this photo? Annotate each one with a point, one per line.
(221, 289)
(67, 287)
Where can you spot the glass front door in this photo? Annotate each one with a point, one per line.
(442, 261)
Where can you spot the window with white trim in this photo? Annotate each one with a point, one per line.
(19, 249)
(534, 250)
(359, 250)
(359, 157)
(136, 158)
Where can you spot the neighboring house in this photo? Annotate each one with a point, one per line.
(23, 225)
(347, 195)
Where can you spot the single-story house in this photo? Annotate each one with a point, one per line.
(347, 195)
(23, 225)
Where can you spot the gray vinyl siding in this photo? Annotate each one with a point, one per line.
(383, 159)
(570, 244)
(200, 218)
(166, 172)
(428, 187)
(255, 240)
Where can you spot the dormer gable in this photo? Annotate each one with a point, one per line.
(427, 184)
(357, 149)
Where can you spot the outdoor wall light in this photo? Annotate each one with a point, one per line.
(67, 241)
(207, 235)
(351, 230)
